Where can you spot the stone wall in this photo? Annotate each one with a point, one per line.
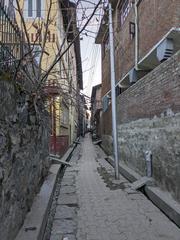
(149, 120)
(24, 135)
(161, 136)
(107, 144)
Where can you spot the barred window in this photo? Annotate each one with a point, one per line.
(105, 46)
(124, 10)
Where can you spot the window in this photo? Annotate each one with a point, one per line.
(64, 116)
(37, 53)
(38, 8)
(32, 37)
(6, 3)
(53, 37)
(105, 45)
(124, 10)
(30, 8)
(34, 8)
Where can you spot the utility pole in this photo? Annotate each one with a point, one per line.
(113, 92)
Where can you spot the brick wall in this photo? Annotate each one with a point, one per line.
(106, 122)
(149, 120)
(152, 95)
(156, 18)
(124, 45)
(105, 72)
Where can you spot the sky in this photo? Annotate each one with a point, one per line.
(90, 52)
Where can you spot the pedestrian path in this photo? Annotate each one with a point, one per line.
(93, 206)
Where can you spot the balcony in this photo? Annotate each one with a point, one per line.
(51, 89)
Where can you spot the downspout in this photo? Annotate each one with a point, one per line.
(69, 82)
(54, 126)
(136, 33)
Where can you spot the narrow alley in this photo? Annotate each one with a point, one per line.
(89, 90)
(93, 206)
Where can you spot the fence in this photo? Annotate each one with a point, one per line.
(10, 39)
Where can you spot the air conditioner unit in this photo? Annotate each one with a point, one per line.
(133, 76)
(165, 50)
(105, 102)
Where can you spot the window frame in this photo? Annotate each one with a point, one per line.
(124, 10)
(105, 47)
(37, 51)
(35, 12)
(39, 11)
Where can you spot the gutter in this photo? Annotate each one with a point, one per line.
(162, 200)
(35, 222)
(136, 34)
(136, 4)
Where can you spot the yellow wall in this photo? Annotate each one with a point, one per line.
(51, 49)
(68, 64)
(32, 26)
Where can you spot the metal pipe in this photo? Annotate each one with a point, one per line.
(136, 34)
(113, 92)
(54, 126)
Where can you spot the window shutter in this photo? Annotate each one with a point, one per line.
(32, 37)
(25, 12)
(38, 8)
(43, 7)
(53, 37)
(105, 101)
(30, 8)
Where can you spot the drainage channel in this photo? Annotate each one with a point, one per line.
(61, 223)
(168, 207)
(51, 214)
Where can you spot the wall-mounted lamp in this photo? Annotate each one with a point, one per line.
(132, 29)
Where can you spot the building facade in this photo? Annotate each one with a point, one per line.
(147, 44)
(145, 35)
(51, 28)
(96, 110)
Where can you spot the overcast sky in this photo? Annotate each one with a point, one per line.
(90, 52)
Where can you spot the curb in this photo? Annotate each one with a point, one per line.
(35, 221)
(165, 203)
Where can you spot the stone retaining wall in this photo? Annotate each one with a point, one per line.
(24, 162)
(161, 137)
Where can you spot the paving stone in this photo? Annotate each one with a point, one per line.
(68, 199)
(56, 237)
(64, 226)
(67, 189)
(68, 177)
(69, 237)
(65, 212)
(73, 170)
(68, 182)
(71, 174)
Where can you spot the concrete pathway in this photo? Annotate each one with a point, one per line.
(93, 206)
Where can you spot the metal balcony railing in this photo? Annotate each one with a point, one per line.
(11, 39)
